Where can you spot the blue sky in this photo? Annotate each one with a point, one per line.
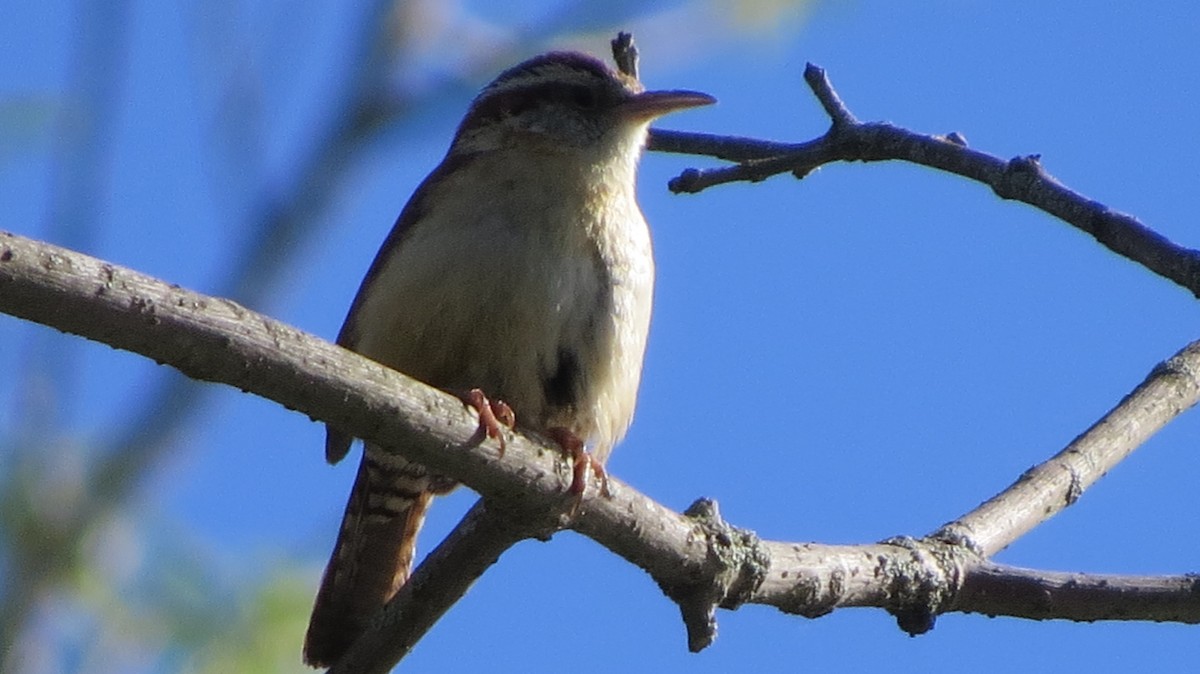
(869, 352)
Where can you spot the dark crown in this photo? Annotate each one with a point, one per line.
(568, 80)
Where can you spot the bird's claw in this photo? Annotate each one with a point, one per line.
(581, 461)
(493, 415)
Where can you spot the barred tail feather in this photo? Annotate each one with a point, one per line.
(373, 555)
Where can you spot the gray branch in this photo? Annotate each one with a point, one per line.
(1046, 489)
(697, 559)
(1021, 179)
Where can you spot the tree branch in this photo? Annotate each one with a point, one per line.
(437, 584)
(1044, 490)
(696, 558)
(1021, 179)
(996, 589)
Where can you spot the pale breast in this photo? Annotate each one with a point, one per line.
(539, 301)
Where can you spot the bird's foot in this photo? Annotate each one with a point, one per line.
(493, 415)
(572, 446)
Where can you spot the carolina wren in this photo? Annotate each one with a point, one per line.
(521, 267)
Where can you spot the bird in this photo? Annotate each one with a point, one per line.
(519, 276)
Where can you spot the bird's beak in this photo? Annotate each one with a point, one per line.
(649, 105)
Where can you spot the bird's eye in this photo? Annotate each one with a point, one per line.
(584, 98)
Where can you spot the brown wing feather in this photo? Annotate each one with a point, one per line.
(337, 443)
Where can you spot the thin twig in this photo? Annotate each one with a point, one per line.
(829, 98)
(1044, 490)
(625, 54)
(1020, 179)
